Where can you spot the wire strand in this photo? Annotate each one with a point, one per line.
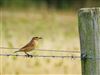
(41, 56)
(46, 50)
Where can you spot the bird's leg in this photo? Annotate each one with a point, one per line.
(28, 55)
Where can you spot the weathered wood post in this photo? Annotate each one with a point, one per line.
(89, 29)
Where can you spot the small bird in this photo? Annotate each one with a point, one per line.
(30, 46)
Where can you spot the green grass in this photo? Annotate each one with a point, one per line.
(59, 31)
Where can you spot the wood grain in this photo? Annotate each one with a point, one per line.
(89, 30)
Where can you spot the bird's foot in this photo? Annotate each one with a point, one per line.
(28, 55)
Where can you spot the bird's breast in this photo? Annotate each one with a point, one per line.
(35, 43)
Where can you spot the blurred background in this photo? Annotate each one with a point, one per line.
(54, 20)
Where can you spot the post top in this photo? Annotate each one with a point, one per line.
(98, 8)
(89, 9)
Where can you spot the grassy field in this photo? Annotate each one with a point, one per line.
(59, 31)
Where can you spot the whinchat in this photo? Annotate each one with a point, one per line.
(30, 46)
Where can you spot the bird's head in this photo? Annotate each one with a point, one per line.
(36, 38)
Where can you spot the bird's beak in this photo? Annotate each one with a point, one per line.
(40, 37)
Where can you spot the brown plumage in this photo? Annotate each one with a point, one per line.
(30, 46)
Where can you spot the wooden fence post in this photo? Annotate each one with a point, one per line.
(89, 30)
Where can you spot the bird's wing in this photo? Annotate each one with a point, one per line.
(25, 47)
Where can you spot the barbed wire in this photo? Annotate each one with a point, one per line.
(51, 56)
(70, 51)
(46, 56)
(71, 56)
